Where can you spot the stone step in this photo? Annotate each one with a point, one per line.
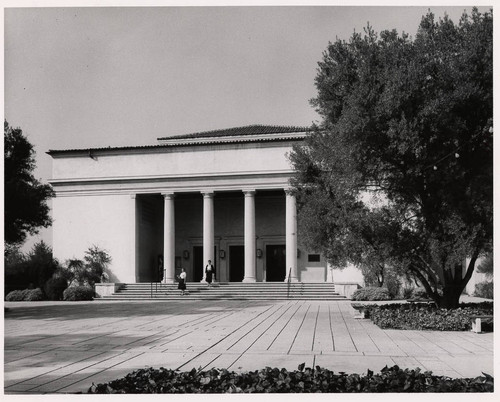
(228, 291)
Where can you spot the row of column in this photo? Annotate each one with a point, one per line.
(249, 235)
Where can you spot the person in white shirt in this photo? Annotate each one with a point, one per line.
(182, 282)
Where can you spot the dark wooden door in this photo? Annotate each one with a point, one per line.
(198, 266)
(275, 263)
(236, 263)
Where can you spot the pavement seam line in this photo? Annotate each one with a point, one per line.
(284, 326)
(58, 368)
(210, 347)
(298, 330)
(349, 332)
(83, 368)
(331, 331)
(252, 329)
(315, 326)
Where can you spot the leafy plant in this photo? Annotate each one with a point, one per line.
(55, 287)
(401, 164)
(26, 208)
(77, 293)
(274, 380)
(484, 289)
(427, 317)
(92, 269)
(371, 294)
(25, 295)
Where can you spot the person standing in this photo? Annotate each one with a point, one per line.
(209, 272)
(182, 282)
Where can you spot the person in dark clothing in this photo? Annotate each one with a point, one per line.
(209, 272)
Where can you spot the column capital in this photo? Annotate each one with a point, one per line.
(289, 191)
(168, 194)
(207, 193)
(249, 192)
(133, 196)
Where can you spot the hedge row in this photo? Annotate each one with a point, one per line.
(371, 294)
(274, 380)
(70, 294)
(426, 317)
(25, 295)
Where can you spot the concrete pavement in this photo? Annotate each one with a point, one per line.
(63, 347)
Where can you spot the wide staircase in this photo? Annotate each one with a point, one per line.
(227, 291)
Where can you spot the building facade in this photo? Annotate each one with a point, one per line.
(221, 195)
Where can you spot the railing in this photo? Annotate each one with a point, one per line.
(289, 281)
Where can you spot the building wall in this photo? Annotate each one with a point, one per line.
(184, 161)
(105, 221)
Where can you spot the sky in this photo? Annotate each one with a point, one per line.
(83, 77)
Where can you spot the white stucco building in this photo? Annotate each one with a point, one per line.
(218, 195)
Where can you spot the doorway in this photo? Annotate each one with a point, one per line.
(199, 264)
(236, 263)
(275, 263)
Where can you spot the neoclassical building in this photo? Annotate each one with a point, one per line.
(217, 195)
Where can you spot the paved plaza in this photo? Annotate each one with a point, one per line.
(64, 347)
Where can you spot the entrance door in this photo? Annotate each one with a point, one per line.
(199, 264)
(236, 263)
(275, 263)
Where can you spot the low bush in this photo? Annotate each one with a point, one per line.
(484, 289)
(25, 295)
(420, 293)
(34, 295)
(427, 317)
(274, 380)
(371, 294)
(15, 295)
(55, 287)
(78, 293)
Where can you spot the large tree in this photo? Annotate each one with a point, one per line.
(407, 122)
(26, 208)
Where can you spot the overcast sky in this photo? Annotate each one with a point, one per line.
(93, 77)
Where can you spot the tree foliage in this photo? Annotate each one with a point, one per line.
(26, 208)
(92, 269)
(407, 122)
(30, 270)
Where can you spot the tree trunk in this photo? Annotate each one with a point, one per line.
(451, 296)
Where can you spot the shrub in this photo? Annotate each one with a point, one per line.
(34, 295)
(15, 295)
(92, 269)
(55, 287)
(78, 293)
(420, 293)
(484, 289)
(25, 295)
(274, 380)
(371, 294)
(407, 292)
(427, 317)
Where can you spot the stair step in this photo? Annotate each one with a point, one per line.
(228, 291)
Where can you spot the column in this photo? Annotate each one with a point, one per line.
(169, 238)
(250, 249)
(208, 229)
(291, 237)
(134, 245)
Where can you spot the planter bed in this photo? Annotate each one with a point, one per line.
(423, 316)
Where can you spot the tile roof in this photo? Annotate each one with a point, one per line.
(255, 129)
(253, 133)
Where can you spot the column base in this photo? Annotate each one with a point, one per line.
(248, 280)
(169, 280)
(292, 279)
